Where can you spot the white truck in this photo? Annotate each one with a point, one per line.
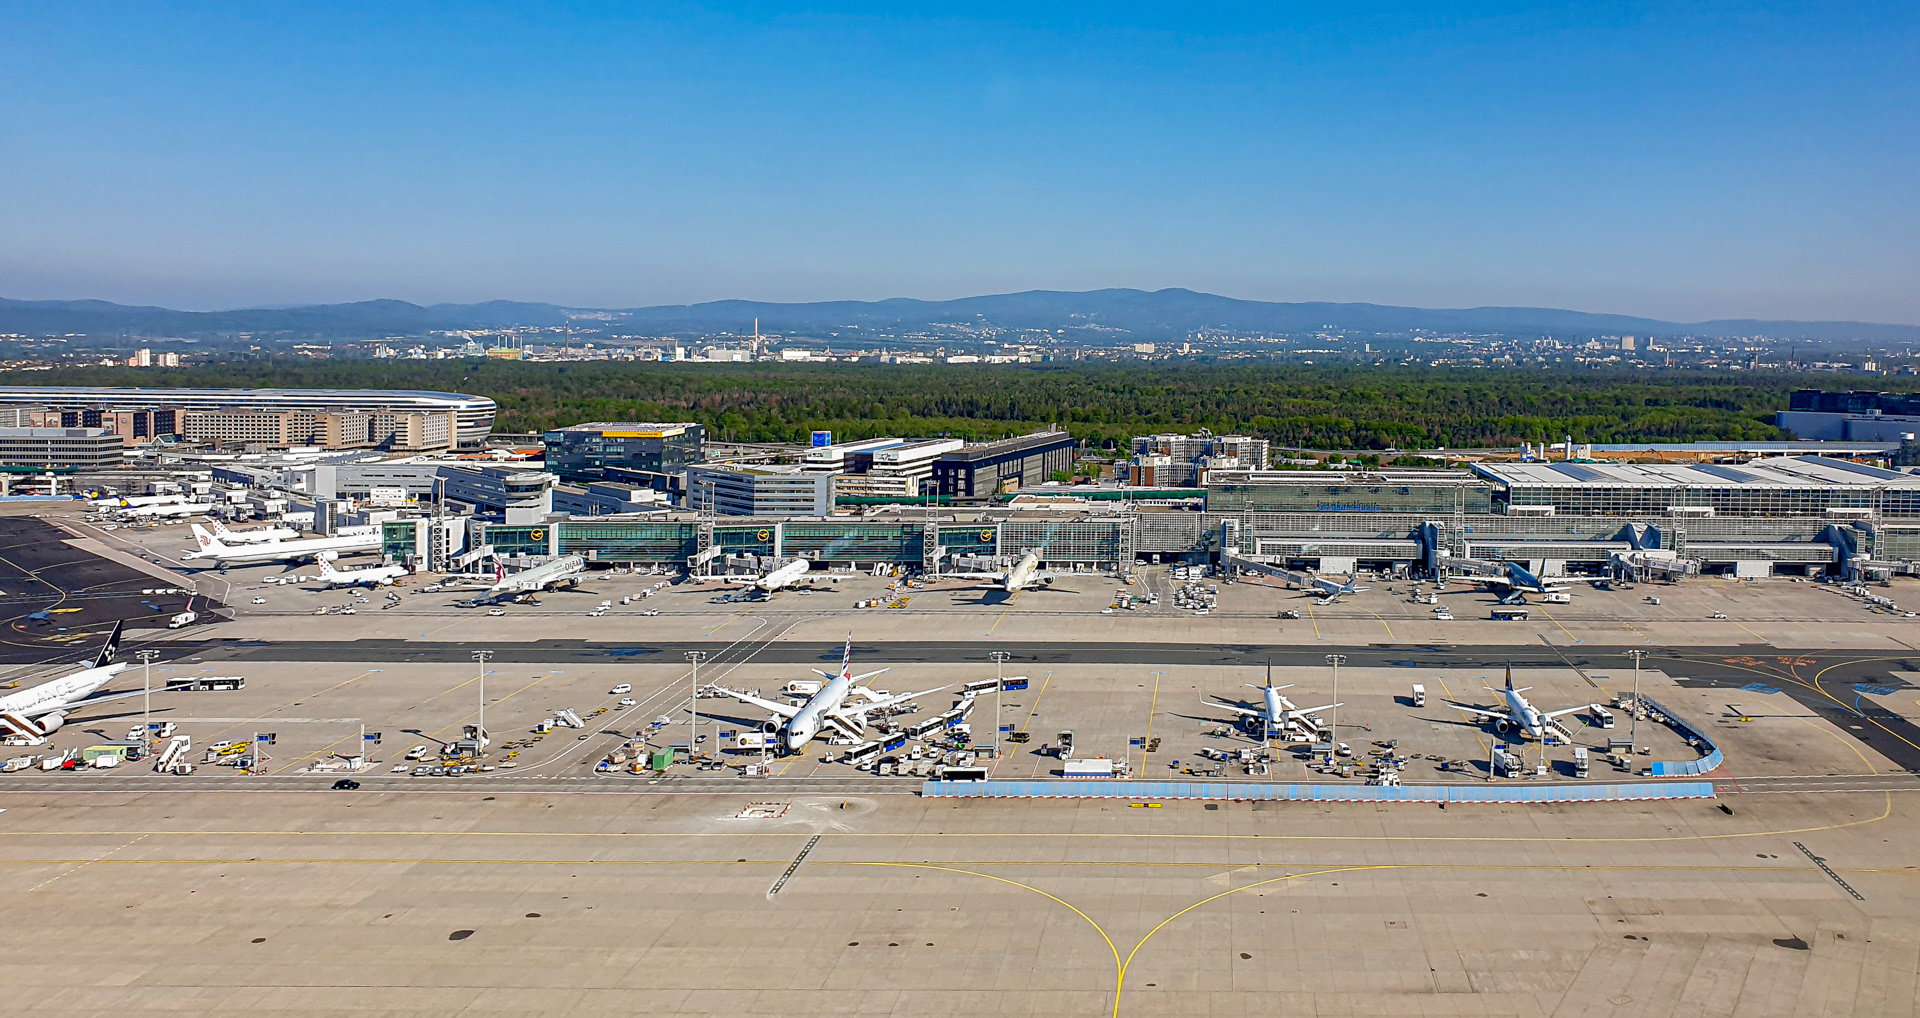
(1087, 767)
(181, 620)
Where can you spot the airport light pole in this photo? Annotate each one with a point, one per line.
(1634, 724)
(1333, 725)
(146, 696)
(483, 656)
(1000, 659)
(693, 703)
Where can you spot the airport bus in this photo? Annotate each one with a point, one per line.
(1510, 614)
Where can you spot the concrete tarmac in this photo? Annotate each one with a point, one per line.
(827, 891)
(326, 903)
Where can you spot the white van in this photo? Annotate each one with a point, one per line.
(624, 687)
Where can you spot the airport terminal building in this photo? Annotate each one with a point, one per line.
(1801, 514)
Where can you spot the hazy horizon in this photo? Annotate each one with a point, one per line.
(751, 300)
(1677, 164)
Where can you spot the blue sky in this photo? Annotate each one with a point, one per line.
(1679, 160)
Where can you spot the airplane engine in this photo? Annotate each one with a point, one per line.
(771, 726)
(51, 723)
(1502, 726)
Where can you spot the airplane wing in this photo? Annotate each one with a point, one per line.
(888, 701)
(784, 710)
(1499, 715)
(1549, 715)
(1236, 708)
(969, 576)
(1315, 710)
(88, 702)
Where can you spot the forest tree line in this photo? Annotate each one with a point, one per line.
(1316, 407)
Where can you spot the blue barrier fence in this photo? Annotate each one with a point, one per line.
(1103, 789)
(1684, 768)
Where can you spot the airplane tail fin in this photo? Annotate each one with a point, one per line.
(326, 566)
(207, 541)
(846, 657)
(112, 649)
(219, 527)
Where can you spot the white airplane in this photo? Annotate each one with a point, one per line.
(175, 510)
(254, 536)
(791, 573)
(829, 708)
(223, 554)
(111, 502)
(1518, 713)
(1518, 583)
(34, 714)
(1276, 713)
(1026, 574)
(372, 576)
(565, 570)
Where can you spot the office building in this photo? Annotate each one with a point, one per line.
(994, 468)
(26, 416)
(638, 453)
(60, 449)
(1858, 416)
(522, 497)
(1182, 461)
(471, 416)
(832, 457)
(899, 470)
(759, 490)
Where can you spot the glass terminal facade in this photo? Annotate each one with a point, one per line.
(611, 451)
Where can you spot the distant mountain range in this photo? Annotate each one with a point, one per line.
(1118, 313)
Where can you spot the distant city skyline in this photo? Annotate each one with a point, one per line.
(1716, 161)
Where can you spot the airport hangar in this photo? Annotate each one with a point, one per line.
(1791, 515)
